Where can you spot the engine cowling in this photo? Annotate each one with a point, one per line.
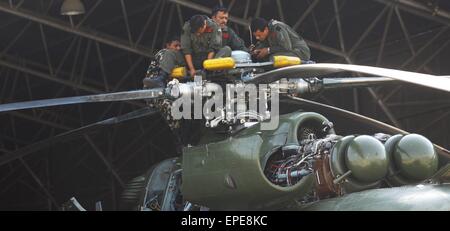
(412, 159)
(235, 167)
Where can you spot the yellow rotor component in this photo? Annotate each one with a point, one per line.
(219, 64)
(178, 72)
(284, 61)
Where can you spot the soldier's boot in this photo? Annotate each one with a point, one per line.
(158, 81)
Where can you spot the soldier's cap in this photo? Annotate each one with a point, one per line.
(197, 21)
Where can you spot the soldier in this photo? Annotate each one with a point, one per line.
(277, 38)
(172, 45)
(201, 40)
(229, 37)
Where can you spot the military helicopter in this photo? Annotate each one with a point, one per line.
(301, 163)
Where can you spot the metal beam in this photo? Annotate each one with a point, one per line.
(10, 180)
(305, 14)
(413, 52)
(85, 62)
(247, 7)
(39, 182)
(326, 49)
(180, 15)
(47, 76)
(316, 24)
(416, 54)
(368, 30)
(140, 140)
(339, 25)
(61, 25)
(13, 41)
(424, 47)
(147, 23)
(442, 116)
(383, 39)
(127, 25)
(38, 120)
(102, 66)
(111, 20)
(342, 45)
(158, 23)
(383, 107)
(230, 6)
(258, 8)
(420, 103)
(431, 57)
(47, 54)
(416, 8)
(207, 10)
(379, 101)
(105, 161)
(169, 24)
(405, 31)
(91, 10)
(55, 79)
(68, 51)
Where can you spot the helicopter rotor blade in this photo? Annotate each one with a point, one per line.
(147, 111)
(358, 118)
(320, 69)
(332, 83)
(108, 97)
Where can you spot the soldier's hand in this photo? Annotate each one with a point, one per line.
(255, 52)
(262, 53)
(192, 72)
(251, 48)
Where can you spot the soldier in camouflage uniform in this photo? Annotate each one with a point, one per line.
(172, 45)
(277, 38)
(229, 37)
(201, 40)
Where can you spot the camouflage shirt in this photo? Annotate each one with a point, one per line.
(153, 69)
(283, 38)
(210, 41)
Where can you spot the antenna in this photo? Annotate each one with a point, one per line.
(252, 46)
(250, 33)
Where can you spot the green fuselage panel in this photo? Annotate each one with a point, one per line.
(229, 174)
(406, 198)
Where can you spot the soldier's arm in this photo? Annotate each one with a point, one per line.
(186, 45)
(190, 64)
(262, 44)
(284, 42)
(211, 55)
(216, 39)
(236, 42)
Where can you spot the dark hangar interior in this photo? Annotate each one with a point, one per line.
(44, 54)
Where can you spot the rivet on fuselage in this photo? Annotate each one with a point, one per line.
(229, 182)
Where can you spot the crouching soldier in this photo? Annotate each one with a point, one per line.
(173, 46)
(277, 38)
(201, 39)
